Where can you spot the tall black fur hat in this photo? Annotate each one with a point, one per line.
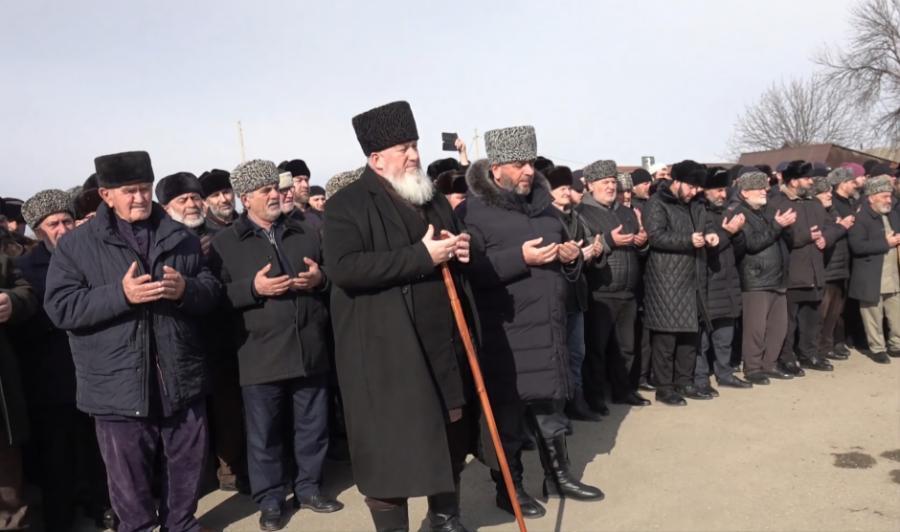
(559, 176)
(172, 186)
(543, 164)
(440, 166)
(385, 126)
(690, 172)
(213, 181)
(126, 168)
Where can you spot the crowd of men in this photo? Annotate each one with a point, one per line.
(140, 338)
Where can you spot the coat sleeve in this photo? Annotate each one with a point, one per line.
(661, 236)
(201, 292)
(21, 296)
(757, 239)
(863, 243)
(352, 267)
(70, 302)
(496, 267)
(832, 231)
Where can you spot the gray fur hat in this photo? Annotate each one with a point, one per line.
(341, 180)
(840, 175)
(251, 175)
(754, 180)
(624, 183)
(45, 203)
(877, 184)
(510, 144)
(820, 185)
(601, 169)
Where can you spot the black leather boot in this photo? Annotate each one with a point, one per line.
(531, 508)
(394, 519)
(558, 482)
(443, 512)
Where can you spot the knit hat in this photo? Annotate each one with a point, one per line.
(214, 181)
(840, 175)
(172, 186)
(601, 169)
(820, 185)
(624, 183)
(118, 169)
(341, 180)
(452, 182)
(559, 176)
(716, 178)
(251, 175)
(43, 204)
(510, 144)
(316, 190)
(296, 167)
(877, 184)
(440, 166)
(754, 180)
(856, 168)
(385, 126)
(689, 172)
(640, 176)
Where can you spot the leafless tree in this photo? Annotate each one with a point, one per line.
(798, 112)
(868, 71)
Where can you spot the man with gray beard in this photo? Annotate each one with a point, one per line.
(218, 196)
(409, 405)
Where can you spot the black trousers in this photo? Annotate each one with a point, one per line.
(674, 358)
(286, 419)
(609, 342)
(804, 325)
(832, 309)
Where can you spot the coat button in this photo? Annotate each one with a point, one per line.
(405, 289)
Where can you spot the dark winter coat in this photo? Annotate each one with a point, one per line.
(837, 252)
(761, 253)
(620, 275)
(276, 338)
(722, 287)
(14, 427)
(577, 230)
(868, 244)
(806, 268)
(393, 396)
(522, 307)
(673, 274)
(109, 337)
(47, 367)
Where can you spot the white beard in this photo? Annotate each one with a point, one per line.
(415, 187)
(192, 223)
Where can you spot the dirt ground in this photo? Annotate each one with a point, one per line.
(820, 453)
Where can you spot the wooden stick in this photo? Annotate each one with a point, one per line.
(482, 392)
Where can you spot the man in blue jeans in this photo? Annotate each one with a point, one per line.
(269, 264)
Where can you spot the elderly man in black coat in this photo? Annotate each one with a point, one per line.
(523, 260)
(181, 194)
(613, 283)
(408, 399)
(17, 304)
(63, 454)
(129, 287)
(720, 288)
(269, 263)
(679, 230)
(806, 243)
(875, 277)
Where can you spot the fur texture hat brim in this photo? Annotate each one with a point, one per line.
(126, 168)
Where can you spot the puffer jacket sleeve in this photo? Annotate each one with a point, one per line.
(70, 303)
(496, 267)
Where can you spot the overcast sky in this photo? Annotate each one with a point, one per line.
(601, 79)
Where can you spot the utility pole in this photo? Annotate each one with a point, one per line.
(241, 140)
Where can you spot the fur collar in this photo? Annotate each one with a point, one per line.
(481, 185)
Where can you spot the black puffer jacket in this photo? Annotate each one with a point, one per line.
(522, 308)
(620, 275)
(837, 254)
(760, 251)
(110, 338)
(722, 289)
(672, 278)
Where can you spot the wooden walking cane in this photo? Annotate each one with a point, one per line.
(482, 392)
